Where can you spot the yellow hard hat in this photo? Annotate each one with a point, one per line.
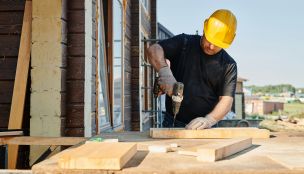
(220, 28)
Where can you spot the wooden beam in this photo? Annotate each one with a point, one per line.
(17, 107)
(48, 141)
(97, 155)
(209, 133)
(11, 133)
(215, 151)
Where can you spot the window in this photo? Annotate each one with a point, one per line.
(117, 63)
(103, 95)
(145, 3)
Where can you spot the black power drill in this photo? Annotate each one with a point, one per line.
(177, 96)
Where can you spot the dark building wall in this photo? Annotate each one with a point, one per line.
(127, 66)
(143, 26)
(74, 125)
(135, 116)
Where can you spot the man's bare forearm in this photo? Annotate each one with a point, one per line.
(156, 57)
(222, 108)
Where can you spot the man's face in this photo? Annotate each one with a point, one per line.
(208, 47)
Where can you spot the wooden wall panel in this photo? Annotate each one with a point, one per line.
(75, 43)
(8, 68)
(6, 91)
(12, 5)
(135, 64)
(9, 45)
(127, 67)
(75, 69)
(11, 22)
(76, 27)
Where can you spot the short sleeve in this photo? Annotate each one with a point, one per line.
(230, 80)
(172, 47)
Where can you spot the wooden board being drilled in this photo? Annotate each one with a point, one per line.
(209, 133)
(98, 155)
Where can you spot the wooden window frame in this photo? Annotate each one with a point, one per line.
(109, 50)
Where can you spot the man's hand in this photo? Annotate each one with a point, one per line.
(201, 123)
(166, 80)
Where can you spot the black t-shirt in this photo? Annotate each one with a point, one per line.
(205, 77)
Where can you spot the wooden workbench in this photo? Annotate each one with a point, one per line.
(254, 160)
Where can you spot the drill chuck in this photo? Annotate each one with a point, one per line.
(177, 97)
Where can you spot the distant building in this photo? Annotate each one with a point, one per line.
(239, 106)
(163, 32)
(258, 106)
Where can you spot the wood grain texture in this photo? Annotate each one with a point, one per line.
(209, 133)
(217, 151)
(17, 107)
(98, 155)
(291, 160)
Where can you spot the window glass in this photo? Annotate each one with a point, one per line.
(103, 103)
(117, 65)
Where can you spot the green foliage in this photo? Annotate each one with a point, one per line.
(294, 108)
(273, 89)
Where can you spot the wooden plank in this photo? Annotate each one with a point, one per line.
(16, 114)
(209, 133)
(98, 155)
(48, 141)
(10, 133)
(15, 171)
(291, 160)
(214, 151)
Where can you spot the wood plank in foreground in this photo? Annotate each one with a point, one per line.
(98, 155)
(209, 133)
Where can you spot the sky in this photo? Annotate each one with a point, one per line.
(269, 42)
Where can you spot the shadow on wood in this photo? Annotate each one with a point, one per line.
(254, 146)
(137, 159)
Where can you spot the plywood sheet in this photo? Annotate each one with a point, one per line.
(98, 155)
(209, 133)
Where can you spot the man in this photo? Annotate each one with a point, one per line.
(209, 74)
